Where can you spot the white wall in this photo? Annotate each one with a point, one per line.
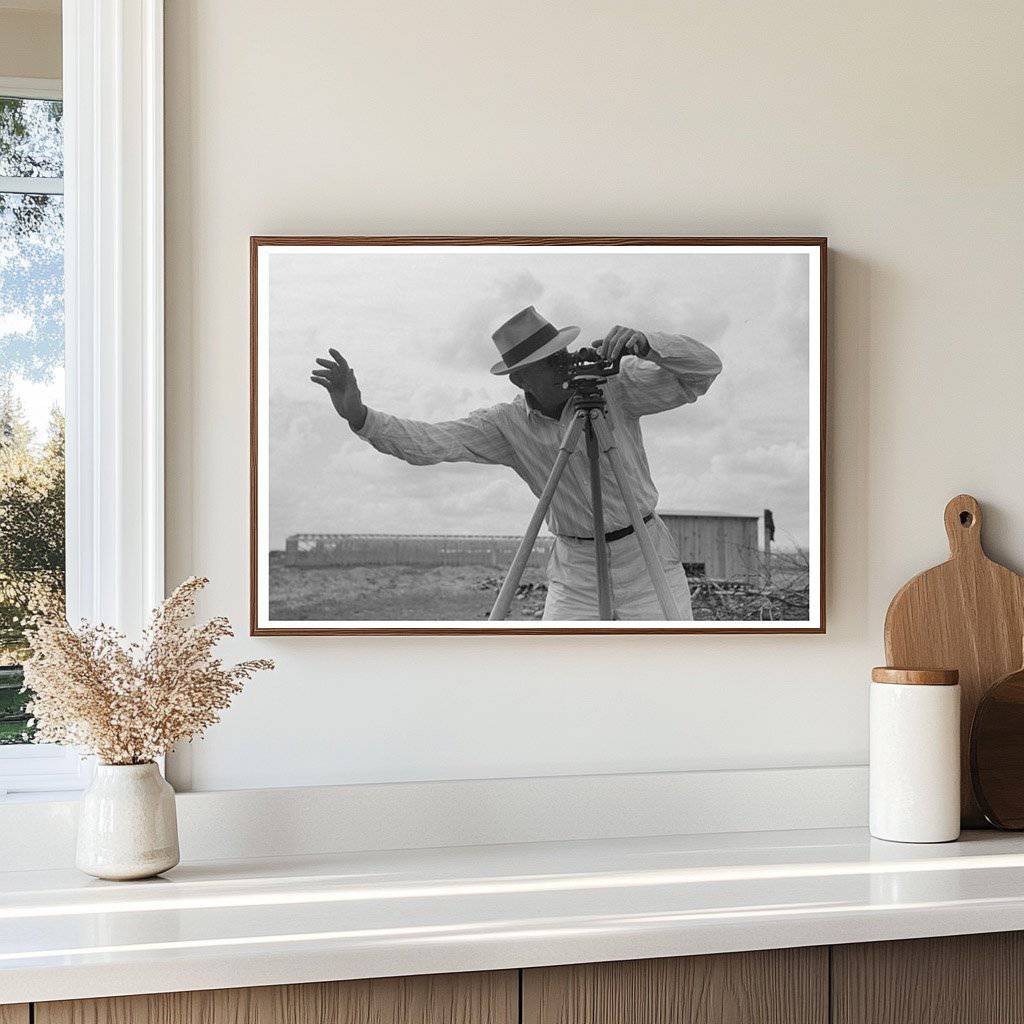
(30, 39)
(895, 129)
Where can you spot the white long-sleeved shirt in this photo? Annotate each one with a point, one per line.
(677, 371)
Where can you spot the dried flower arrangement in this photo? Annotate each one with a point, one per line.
(129, 703)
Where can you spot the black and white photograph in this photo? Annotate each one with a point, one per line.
(537, 435)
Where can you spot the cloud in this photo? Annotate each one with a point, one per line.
(470, 343)
(416, 328)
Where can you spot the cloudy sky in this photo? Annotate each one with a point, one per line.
(417, 328)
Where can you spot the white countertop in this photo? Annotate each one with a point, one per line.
(272, 921)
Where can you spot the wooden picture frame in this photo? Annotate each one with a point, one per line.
(262, 248)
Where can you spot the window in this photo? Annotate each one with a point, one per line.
(31, 405)
(111, 200)
(31, 381)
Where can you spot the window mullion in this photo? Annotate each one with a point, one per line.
(32, 186)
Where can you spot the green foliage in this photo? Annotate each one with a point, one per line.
(14, 722)
(31, 548)
(31, 135)
(31, 523)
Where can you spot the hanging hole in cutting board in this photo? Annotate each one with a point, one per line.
(966, 519)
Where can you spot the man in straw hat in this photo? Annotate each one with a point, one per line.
(658, 372)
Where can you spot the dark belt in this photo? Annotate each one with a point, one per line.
(616, 534)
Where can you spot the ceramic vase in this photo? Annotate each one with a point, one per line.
(127, 826)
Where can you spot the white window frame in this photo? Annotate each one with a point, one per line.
(114, 328)
(31, 88)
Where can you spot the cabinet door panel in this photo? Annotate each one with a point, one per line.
(960, 979)
(479, 998)
(14, 1013)
(778, 986)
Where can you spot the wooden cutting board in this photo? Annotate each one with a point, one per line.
(967, 614)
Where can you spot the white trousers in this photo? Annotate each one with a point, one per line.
(572, 578)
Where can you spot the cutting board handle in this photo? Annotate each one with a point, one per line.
(963, 526)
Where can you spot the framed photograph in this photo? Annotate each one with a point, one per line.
(537, 435)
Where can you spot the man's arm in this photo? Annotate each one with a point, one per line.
(475, 438)
(668, 371)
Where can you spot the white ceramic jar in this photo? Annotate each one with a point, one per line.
(127, 825)
(915, 755)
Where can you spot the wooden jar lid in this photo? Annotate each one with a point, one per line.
(916, 676)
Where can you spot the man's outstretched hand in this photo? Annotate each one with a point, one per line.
(337, 377)
(622, 341)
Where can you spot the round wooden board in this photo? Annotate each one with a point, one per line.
(997, 753)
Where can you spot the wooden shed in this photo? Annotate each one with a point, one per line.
(719, 545)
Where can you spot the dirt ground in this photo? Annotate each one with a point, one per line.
(418, 593)
(398, 592)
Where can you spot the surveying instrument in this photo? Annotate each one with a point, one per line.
(586, 377)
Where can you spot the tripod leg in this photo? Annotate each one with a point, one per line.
(668, 603)
(522, 556)
(604, 589)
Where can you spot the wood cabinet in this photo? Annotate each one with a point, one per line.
(479, 998)
(968, 979)
(962, 979)
(777, 986)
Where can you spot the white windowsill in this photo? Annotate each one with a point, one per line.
(33, 772)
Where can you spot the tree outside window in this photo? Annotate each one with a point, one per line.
(31, 385)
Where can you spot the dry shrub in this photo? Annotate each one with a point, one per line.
(129, 703)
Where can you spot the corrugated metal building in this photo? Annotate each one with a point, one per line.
(720, 545)
(316, 550)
